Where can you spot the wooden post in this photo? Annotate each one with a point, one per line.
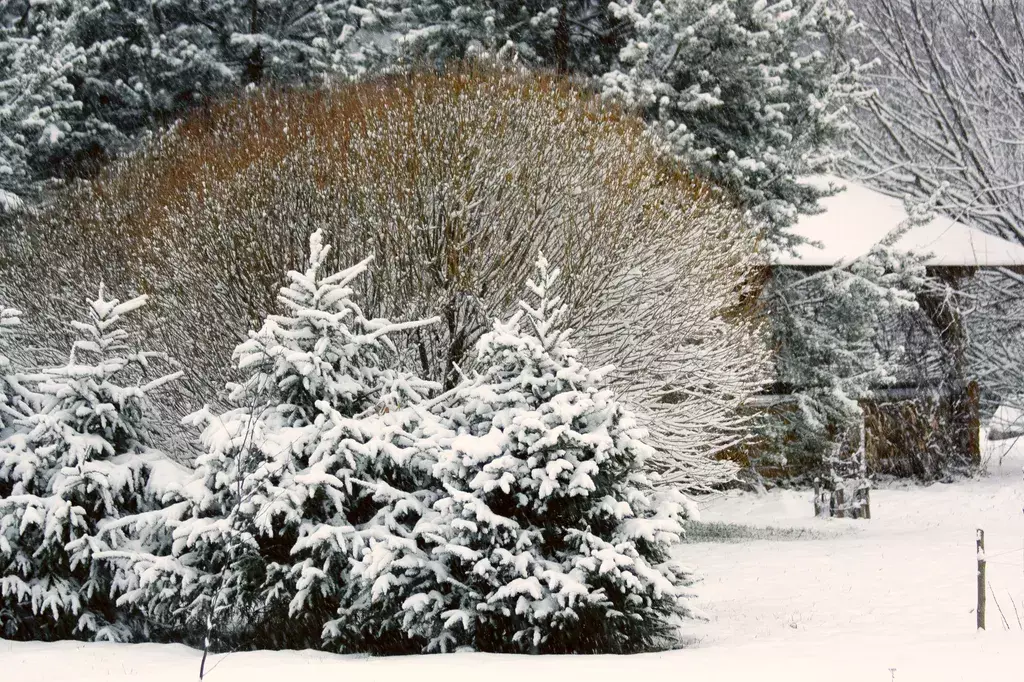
(865, 483)
(818, 507)
(981, 578)
(973, 423)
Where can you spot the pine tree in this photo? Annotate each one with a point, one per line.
(830, 329)
(15, 400)
(752, 94)
(263, 540)
(70, 470)
(546, 536)
(287, 41)
(84, 80)
(37, 103)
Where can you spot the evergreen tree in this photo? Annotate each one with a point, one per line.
(37, 104)
(15, 400)
(830, 332)
(546, 535)
(69, 471)
(580, 36)
(833, 331)
(749, 93)
(84, 80)
(284, 41)
(262, 542)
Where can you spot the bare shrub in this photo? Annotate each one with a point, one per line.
(453, 182)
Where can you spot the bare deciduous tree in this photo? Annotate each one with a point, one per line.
(949, 114)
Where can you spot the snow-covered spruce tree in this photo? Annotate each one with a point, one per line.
(262, 542)
(84, 80)
(37, 104)
(283, 41)
(78, 463)
(547, 537)
(752, 93)
(15, 400)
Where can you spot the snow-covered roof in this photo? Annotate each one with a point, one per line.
(858, 217)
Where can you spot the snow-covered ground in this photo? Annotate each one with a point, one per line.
(898, 591)
(865, 601)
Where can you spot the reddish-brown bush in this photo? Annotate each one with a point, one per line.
(454, 182)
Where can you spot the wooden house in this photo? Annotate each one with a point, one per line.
(898, 434)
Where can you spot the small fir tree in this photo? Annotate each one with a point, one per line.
(263, 541)
(70, 470)
(546, 535)
(14, 398)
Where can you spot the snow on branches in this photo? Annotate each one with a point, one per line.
(281, 500)
(546, 535)
(749, 92)
(340, 502)
(69, 470)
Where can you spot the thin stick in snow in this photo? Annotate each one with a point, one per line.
(981, 578)
(998, 607)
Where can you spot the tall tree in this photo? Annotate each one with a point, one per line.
(38, 109)
(948, 114)
(578, 36)
(88, 78)
(751, 94)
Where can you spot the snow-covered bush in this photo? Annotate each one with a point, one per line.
(453, 181)
(282, 498)
(547, 536)
(69, 470)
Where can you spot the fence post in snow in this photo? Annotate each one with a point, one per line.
(981, 578)
(819, 505)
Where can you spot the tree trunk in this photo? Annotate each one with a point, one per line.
(961, 400)
(252, 74)
(562, 38)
